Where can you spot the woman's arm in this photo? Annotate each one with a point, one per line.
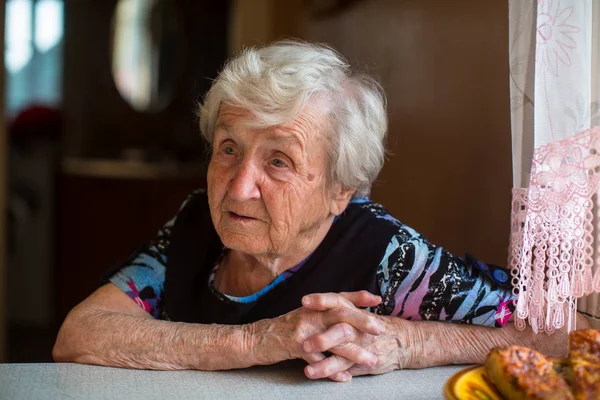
(420, 344)
(421, 281)
(109, 329)
(444, 343)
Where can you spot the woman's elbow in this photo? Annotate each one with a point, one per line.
(64, 345)
(68, 346)
(60, 352)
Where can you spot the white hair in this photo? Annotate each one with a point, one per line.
(275, 83)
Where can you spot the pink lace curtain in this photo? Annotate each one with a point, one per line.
(555, 229)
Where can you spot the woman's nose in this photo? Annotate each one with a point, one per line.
(244, 184)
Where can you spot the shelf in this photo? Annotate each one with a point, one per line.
(129, 169)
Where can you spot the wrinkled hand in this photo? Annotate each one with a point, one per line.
(349, 354)
(346, 342)
(284, 337)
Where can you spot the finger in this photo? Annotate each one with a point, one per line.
(359, 370)
(341, 339)
(355, 353)
(325, 301)
(330, 366)
(343, 376)
(359, 319)
(312, 358)
(362, 298)
(383, 366)
(334, 336)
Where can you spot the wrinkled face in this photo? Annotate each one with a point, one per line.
(267, 187)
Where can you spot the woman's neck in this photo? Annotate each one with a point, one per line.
(243, 274)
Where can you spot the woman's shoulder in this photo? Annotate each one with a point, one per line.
(195, 202)
(382, 216)
(196, 198)
(196, 195)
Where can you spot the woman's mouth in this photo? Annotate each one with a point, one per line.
(240, 218)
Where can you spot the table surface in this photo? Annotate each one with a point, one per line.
(73, 381)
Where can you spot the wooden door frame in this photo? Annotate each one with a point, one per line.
(3, 200)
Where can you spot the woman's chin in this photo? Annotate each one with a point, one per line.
(244, 243)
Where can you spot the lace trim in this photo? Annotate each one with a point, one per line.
(552, 244)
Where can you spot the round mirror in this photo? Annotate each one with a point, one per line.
(147, 52)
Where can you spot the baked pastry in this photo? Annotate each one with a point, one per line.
(584, 359)
(522, 373)
(563, 367)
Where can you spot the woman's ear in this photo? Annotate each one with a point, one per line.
(340, 199)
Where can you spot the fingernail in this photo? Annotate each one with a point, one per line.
(346, 377)
(373, 361)
(310, 371)
(306, 300)
(308, 347)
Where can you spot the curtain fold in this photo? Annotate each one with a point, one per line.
(590, 305)
(554, 246)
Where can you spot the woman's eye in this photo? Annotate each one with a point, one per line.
(278, 162)
(228, 150)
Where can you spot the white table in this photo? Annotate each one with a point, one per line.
(73, 381)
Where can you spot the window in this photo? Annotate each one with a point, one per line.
(33, 53)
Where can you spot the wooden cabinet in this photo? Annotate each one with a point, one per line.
(103, 217)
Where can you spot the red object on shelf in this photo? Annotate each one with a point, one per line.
(37, 122)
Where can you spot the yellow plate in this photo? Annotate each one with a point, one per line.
(470, 384)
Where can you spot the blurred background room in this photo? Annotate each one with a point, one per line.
(99, 141)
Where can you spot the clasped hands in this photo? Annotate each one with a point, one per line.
(358, 342)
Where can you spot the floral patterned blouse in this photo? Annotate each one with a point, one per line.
(417, 280)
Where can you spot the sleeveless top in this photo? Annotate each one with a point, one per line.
(346, 260)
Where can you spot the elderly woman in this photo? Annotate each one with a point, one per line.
(284, 256)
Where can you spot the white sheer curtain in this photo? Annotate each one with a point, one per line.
(555, 232)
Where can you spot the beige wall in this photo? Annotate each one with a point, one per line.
(444, 67)
(251, 23)
(256, 22)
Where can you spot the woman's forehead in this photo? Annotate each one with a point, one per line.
(229, 114)
(308, 126)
